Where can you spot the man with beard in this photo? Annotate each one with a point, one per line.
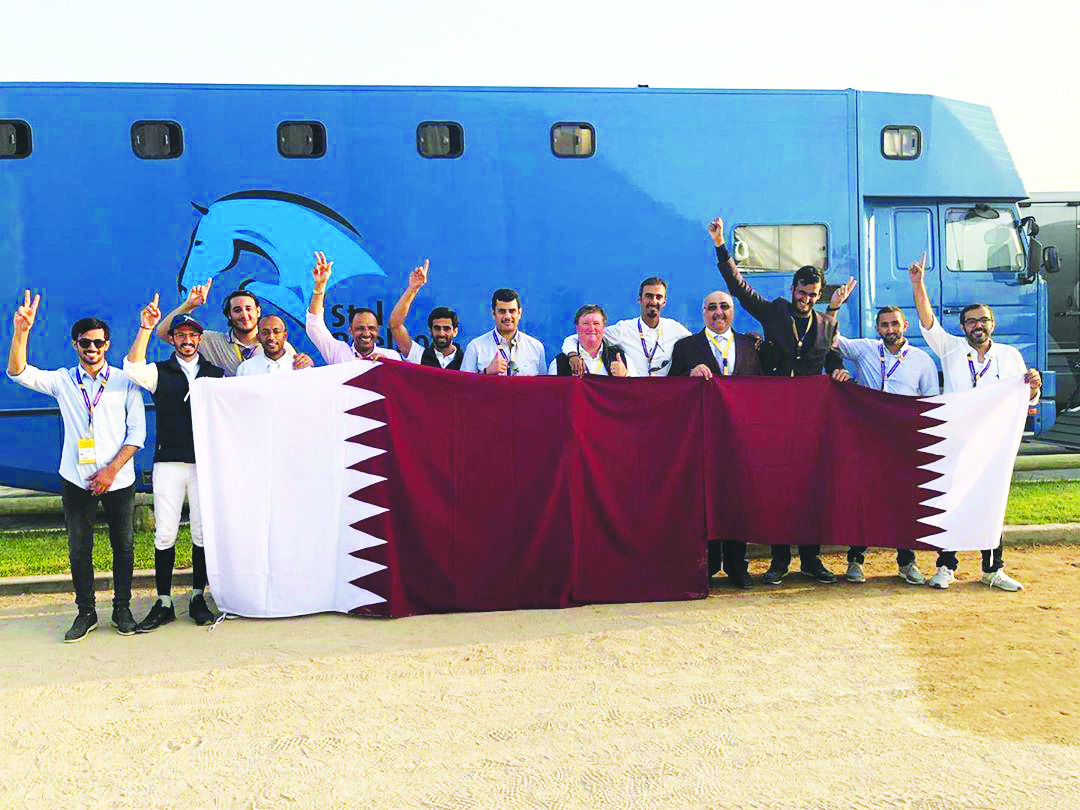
(443, 352)
(968, 362)
(801, 342)
(599, 356)
(104, 425)
(273, 337)
(893, 365)
(719, 351)
(174, 475)
(505, 350)
(364, 327)
(227, 350)
(646, 340)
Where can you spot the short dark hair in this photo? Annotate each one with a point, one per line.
(807, 274)
(505, 295)
(963, 312)
(441, 313)
(651, 281)
(268, 317)
(589, 309)
(361, 311)
(237, 294)
(887, 310)
(84, 325)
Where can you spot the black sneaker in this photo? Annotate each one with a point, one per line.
(817, 570)
(774, 576)
(741, 579)
(158, 615)
(83, 624)
(123, 621)
(199, 612)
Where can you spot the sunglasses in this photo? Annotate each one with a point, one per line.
(86, 343)
(725, 306)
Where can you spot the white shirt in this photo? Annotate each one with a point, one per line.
(119, 418)
(338, 351)
(416, 352)
(593, 364)
(145, 375)
(723, 349)
(629, 334)
(224, 351)
(1000, 361)
(911, 372)
(525, 353)
(261, 364)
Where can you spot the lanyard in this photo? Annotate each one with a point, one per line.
(723, 352)
(509, 358)
(242, 352)
(886, 375)
(644, 347)
(86, 397)
(599, 359)
(971, 366)
(799, 340)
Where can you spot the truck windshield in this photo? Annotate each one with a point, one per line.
(982, 239)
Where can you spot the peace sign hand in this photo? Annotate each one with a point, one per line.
(150, 315)
(841, 293)
(25, 314)
(321, 272)
(199, 294)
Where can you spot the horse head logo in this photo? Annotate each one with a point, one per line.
(286, 230)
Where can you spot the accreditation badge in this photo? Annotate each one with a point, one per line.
(87, 453)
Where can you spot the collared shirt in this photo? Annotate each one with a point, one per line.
(915, 376)
(225, 351)
(524, 353)
(594, 364)
(723, 349)
(416, 352)
(630, 334)
(261, 364)
(338, 351)
(1000, 361)
(119, 418)
(145, 375)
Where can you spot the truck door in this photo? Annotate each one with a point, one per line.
(900, 234)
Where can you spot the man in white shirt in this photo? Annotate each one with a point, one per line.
(893, 365)
(364, 327)
(104, 425)
(647, 340)
(967, 362)
(442, 352)
(505, 350)
(169, 383)
(273, 337)
(599, 356)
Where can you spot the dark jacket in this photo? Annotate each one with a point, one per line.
(694, 350)
(780, 355)
(172, 406)
(428, 358)
(608, 353)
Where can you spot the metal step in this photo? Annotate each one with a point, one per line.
(1066, 430)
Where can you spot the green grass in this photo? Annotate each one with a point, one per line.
(45, 552)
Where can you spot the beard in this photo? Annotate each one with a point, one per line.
(442, 342)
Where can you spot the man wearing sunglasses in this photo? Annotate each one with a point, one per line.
(799, 342)
(174, 473)
(719, 351)
(968, 362)
(104, 425)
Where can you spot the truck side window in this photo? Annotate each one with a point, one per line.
(781, 248)
(982, 239)
(301, 139)
(14, 139)
(901, 143)
(440, 139)
(573, 140)
(157, 140)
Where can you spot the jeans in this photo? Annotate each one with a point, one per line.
(79, 508)
(991, 560)
(904, 556)
(781, 556)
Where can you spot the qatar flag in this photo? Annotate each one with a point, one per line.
(388, 489)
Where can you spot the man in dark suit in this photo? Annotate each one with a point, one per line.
(719, 351)
(800, 343)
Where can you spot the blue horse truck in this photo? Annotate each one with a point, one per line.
(110, 192)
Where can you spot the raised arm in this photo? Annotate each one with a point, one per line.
(141, 373)
(417, 279)
(736, 284)
(916, 273)
(320, 275)
(24, 322)
(198, 296)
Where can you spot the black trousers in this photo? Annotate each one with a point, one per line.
(904, 556)
(991, 560)
(781, 555)
(79, 508)
(730, 555)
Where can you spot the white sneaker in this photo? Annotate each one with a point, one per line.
(999, 579)
(911, 574)
(855, 572)
(943, 578)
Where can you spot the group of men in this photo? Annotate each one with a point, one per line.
(104, 422)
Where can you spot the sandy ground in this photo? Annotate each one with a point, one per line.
(806, 696)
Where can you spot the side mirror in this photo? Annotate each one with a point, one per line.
(1034, 257)
(1029, 226)
(1050, 261)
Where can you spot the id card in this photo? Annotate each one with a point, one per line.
(87, 453)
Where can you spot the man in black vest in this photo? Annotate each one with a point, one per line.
(174, 457)
(800, 343)
(719, 351)
(598, 355)
(443, 352)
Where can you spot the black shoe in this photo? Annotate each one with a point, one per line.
(741, 579)
(158, 615)
(83, 624)
(199, 612)
(817, 570)
(774, 576)
(123, 621)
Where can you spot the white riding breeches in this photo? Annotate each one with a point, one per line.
(172, 480)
